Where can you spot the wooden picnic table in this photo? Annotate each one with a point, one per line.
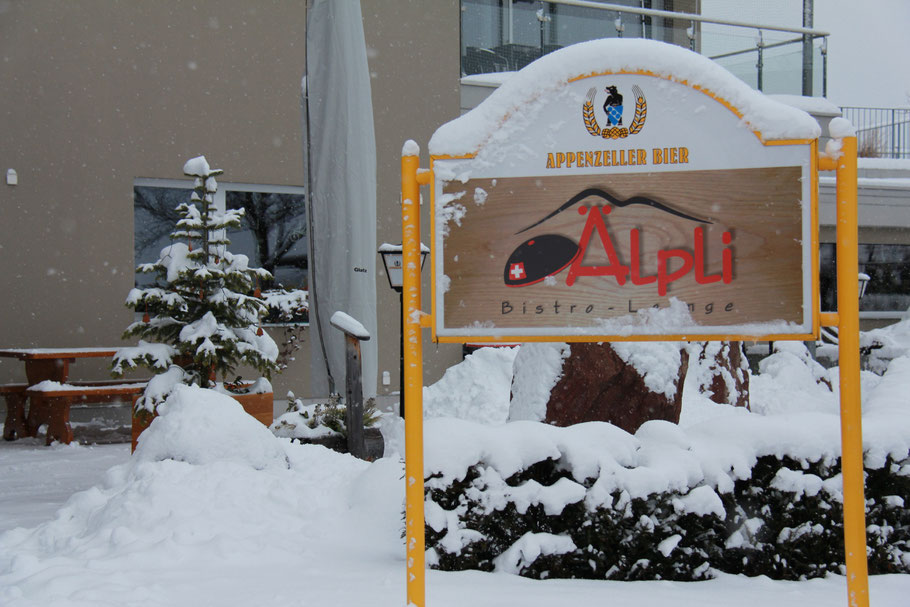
(41, 364)
(52, 363)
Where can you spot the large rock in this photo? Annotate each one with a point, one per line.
(625, 384)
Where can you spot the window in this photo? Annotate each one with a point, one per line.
(506, 35)
(888, 267)
(273, 235)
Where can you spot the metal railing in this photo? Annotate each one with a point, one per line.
(498, 37)
(881, 132)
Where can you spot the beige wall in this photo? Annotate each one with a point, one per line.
(414, 58)
(97, 93)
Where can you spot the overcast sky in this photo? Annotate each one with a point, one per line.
(868, 50)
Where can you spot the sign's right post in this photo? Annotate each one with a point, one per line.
(848, 347)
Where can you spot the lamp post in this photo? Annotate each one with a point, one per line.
(393, 261)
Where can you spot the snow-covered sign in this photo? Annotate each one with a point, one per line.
(624, 189)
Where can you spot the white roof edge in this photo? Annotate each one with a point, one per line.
(491, 80)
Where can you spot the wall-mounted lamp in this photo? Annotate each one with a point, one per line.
(863, 283)
(11, 177)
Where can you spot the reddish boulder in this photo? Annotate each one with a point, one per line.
(623, 384)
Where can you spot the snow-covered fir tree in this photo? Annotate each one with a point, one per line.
(204, 310)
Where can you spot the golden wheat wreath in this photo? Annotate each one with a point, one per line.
(641, 112)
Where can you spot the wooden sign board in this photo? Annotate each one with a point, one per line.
(628, 206)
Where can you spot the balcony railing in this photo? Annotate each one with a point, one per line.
(499, 36)
(881, 132)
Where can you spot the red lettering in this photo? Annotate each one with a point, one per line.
(666, 259)
(700, 276)
(615, 268)
(636, 277)
(664, 277)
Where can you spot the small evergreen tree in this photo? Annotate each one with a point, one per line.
(204, 310)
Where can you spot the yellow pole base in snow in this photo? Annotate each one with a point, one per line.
(413, 376)
(848, 352)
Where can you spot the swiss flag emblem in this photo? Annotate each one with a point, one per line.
(517, 271)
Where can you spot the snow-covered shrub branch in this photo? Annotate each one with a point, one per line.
(591, 501)
(306, 422)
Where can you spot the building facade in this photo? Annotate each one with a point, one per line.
(104, 101)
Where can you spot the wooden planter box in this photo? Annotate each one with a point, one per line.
(259, 406)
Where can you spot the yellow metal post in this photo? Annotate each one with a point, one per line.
(413, 376)
(848, 348)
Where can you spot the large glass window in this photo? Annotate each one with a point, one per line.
(888, 267)
(506, 35)
(273, 235)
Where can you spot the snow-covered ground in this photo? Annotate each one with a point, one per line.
(214, 510)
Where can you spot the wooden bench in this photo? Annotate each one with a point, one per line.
(15, 426)
(50, 403)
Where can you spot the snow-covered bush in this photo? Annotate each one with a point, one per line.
(289, 308)
(790, 375)
(306, 422)
(757, 496)
(885, 344)
(286, 305)
(204, 310)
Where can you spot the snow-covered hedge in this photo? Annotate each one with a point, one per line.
(758, 496)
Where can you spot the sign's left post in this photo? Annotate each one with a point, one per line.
(413, 375)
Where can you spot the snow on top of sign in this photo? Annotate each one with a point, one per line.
(552, 73)
(410, 148)
(840, 128)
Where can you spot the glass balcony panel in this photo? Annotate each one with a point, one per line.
(783, 69)
(506, 35)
